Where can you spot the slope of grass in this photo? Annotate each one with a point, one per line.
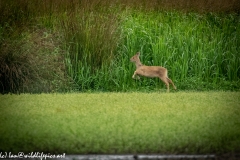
(84, 123)
(58, 46)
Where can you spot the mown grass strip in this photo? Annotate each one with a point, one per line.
(117, 123)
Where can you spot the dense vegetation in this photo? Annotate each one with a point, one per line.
(58, 46)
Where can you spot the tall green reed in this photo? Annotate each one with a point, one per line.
(201, 47)
(91, 41)
(199, 50)
(98, 38)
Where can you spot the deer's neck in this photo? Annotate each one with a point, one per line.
(138, 64)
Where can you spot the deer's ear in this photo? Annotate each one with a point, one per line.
(138, 53)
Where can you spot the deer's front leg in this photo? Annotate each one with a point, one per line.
(134, 74)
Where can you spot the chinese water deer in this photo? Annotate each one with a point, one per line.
(151, 71)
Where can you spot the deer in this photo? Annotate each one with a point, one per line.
(151, 71)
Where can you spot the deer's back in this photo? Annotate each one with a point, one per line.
(151, 71)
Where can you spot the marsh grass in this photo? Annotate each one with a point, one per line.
(188, 43)
(116, 123)
(197, 41)
(199, 50)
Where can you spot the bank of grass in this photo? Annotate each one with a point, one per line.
(107, 123)
(200, 51)
(60, 46)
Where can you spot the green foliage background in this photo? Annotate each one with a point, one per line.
(80, 45)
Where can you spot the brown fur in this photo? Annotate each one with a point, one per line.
(151, 71)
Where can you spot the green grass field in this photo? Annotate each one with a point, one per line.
(116, 123)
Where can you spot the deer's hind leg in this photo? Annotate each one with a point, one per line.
(170, 81)
(165, 80)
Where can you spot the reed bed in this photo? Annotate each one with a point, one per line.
(93, 41)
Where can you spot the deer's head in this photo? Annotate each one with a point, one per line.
(135, 58)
